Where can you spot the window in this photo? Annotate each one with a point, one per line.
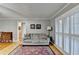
(66, 43)
(56, 32)
(60, 26)
(72, 25)
(67, 33)
(56, 41)
(76, 45)
(76, 23)
(66, 25)
(72, 45)
(60, 41)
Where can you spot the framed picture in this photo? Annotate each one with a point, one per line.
(32, 26)
(38, 26)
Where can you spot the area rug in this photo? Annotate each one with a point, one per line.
(33, 50)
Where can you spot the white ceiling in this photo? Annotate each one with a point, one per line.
(30, 10)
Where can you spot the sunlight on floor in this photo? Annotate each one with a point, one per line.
(6, 48)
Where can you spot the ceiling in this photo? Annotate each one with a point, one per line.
(30, 10)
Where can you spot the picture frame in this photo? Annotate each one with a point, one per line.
(32, 26)
(38, 26)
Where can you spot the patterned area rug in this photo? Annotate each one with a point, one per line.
(33, 50)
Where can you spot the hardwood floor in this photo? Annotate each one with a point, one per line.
(4, 45)
(55, 50)
(6, 48)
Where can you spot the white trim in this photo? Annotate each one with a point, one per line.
(70, 12)
(61, 10)
(19, 14)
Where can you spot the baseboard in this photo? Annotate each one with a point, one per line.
(35, 45)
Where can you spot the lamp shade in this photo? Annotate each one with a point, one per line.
(19, 24)
(49, 28)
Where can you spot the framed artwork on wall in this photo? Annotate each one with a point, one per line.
(32, 26)
(38, 26)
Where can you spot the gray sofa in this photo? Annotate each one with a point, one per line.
(36, 39)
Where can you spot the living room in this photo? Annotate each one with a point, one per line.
(32, 29)
(15, 29)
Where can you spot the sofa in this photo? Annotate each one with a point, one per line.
(36, 39)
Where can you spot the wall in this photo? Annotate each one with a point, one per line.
(52, 22)
(44, 24)
(9, 26)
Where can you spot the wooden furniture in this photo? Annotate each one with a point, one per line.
(5, 37)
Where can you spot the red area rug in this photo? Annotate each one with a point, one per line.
(33, 50)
